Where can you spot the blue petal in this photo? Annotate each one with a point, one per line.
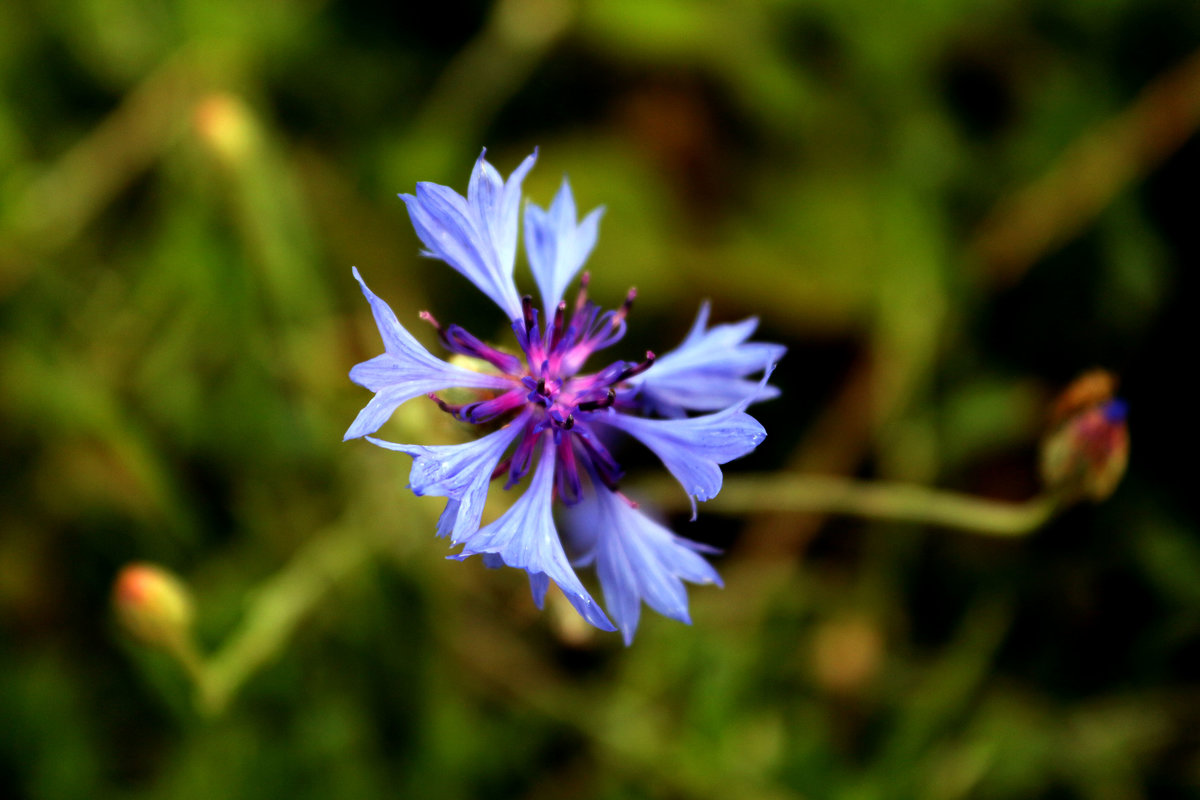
(404, 371)
(476, 235)
(525, 537)
(707, 372)
(639, 560)
(449, 516)
(692, 448)
(538, 584)
(460, 472)
(556, 247)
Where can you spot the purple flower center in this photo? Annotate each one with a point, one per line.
(548, 393)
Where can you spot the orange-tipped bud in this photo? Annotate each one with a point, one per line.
(1086, 450)
(847, 654)
(225, 126)
(153, 605)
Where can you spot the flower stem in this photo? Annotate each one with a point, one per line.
(888, 500)
(282, 603)
(278, 608)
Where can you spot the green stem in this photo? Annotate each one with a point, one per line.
(283, 602)
(887, 500)
(183, 649)
(279, 606)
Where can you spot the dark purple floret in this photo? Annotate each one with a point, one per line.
(548, 388)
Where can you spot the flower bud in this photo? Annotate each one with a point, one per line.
(153, 605)
(847, 654)
(1085, 452)
(225, 126)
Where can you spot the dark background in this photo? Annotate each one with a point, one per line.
(945, 209)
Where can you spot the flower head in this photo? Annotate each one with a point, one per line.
(549, 417)
(153, 605)
(1086, 449)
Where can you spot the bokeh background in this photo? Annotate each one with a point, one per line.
(945, 209)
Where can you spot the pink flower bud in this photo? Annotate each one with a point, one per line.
(1085, 453)
(153, 605)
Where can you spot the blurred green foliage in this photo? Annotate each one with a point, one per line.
(944, 208)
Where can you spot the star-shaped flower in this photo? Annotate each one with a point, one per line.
(547, 416)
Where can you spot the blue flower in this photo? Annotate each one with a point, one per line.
(547, 417)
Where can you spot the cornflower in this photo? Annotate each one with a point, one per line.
(550, 418)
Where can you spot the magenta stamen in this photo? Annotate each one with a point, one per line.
(557, 330)
(458, 340)
(638, 369)
(631, 503)
(567, 482)
(522, 457)
(581, 298)
(443, 405)
(596, 405)
(481, 410)
(528, 311)
(427, 317)
(621, 312)
(502, 467)
(605, 465)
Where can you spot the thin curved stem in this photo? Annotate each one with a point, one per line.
(902, 502)
(288, 597)
(279, 606)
